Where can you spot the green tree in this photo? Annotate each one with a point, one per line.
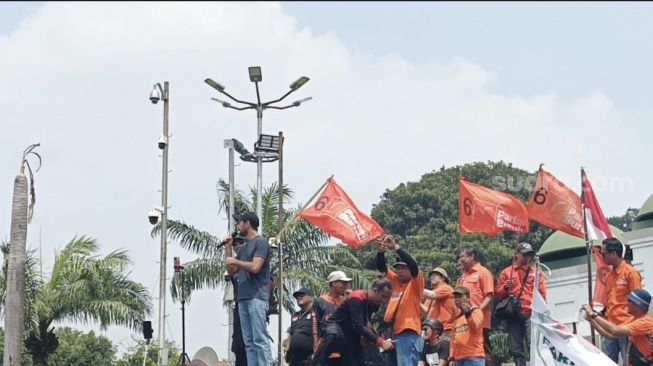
(424, 216)
(625, 221)
(134, 357)
(77, 348)
(307, 260)
(81, 287)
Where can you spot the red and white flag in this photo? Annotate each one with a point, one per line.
(597, 226)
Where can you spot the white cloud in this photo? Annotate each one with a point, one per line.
(76, 78)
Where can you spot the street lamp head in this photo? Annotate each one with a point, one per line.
(215, 85)
(297, 103)
(155, 95)
(255, 74)
(267, 143)
(224, 104)
(299, 83)
(239, 147)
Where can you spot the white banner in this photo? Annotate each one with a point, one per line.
(553, 344)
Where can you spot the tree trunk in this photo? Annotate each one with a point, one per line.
(38, 360)
(15, 298)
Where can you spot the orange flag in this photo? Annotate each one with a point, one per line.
(554, 205)
(484, 210)
(336, 214)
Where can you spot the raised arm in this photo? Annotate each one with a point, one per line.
(381, 265)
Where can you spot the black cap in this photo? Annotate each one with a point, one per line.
(248, 216)
(302, 291)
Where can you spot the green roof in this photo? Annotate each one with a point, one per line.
(646, 210)
(562, 242)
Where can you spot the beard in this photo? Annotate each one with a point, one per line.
(243, 232)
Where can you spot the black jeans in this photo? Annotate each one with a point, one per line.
(519, 332)
(299, 358)
(487, 347)
(349, 348)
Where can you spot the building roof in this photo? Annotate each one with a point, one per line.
(560, 242)
(647, 207)
(644, 218)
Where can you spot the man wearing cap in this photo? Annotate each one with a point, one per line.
(300, 344)
(252, 271)
(436, 346)
(403, 313)
(510, 282)
(639, 328)
(467, 334)
(326, 305)
(439, 302)
(622, 280)
(480, 282)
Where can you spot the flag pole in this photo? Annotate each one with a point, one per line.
(296, 215)
(588, 246)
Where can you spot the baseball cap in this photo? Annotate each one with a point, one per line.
(524, 248)
(338, 276)
(433, 323)
(441, 272)
(641, 298)
(399, 262)
(461, 290)
(248, 216)
(302, 291)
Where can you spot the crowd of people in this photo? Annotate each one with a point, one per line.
(446, 325)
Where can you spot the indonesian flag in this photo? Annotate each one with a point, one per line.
(554, 205)
(336, 214)
(484, 210)
(597, 229)
(597, 226)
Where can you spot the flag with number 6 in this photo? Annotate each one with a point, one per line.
(484, 210)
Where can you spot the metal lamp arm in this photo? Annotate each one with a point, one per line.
(284, 107)
(238, 101)
(267, 104)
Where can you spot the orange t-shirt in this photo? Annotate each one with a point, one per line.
(518, 273)
(638, 329)
(409, 315)
(619, 283)
(467, 337)
(480, 282)
(444, 308)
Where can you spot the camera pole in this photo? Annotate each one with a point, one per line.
(184, 356)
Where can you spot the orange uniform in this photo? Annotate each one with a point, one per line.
(408, 314)
(480, 282)
(444, 308)
(467, 337)
(619, 283)
(518, 273)
(639, 329)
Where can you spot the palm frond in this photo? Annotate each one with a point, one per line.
(199, 274)
(192, 239)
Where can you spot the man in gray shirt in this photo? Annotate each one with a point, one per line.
(252, 270)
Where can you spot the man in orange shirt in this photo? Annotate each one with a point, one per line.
(510, 282)
(639, 328)
(403, 311)
(480, 282)
(622, 280)
(325, 305)
(439, 302)
(467, 335)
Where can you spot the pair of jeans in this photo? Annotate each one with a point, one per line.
(407, 349)
(471, 362)
(615, 347)
(519, 331)
(253, 314)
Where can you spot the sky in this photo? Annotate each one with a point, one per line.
(399, 89)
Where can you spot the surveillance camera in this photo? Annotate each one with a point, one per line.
(155, 95)
(154, 217)
(163, 141)
(154, 99)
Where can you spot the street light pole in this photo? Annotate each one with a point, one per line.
(164, 145)
(229, 144)
(256, 76)
(280, 244)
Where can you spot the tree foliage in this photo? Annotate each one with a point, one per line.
(135, 354)
(625, 221)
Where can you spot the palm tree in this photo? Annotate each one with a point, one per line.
(82, 287)
(21, 215)
(307, 260)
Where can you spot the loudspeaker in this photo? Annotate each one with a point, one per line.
(147, 330)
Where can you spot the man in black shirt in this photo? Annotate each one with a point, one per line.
(300, 347)
(349, 329)
(436, 349)
(237, 342)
